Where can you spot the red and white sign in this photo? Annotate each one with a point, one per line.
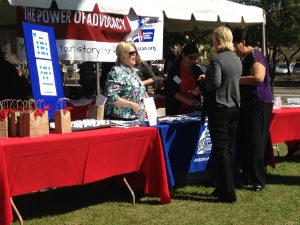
(93, 36)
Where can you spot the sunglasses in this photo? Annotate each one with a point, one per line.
(132, 53)
(192, 57)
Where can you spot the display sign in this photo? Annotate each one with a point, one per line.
(44, 69)
(93, 36)
(150, 110)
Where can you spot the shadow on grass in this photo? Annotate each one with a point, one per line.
(192, 197)
(67, 199)
(189, 195)
(287, 158)
(280, 179)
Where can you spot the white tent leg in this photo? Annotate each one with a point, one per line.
(130, 190)
(16, 211)
(264, 36)
(98, 79)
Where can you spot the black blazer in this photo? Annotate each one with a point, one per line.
(172, 104)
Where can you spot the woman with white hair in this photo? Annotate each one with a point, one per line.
(124, 89)
(221, 103)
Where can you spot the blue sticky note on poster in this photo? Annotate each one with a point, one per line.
(43, 62)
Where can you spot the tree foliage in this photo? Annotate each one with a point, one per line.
(199, 37)
(282, 32)
(282, 29)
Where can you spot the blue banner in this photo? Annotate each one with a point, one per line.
(186, 144)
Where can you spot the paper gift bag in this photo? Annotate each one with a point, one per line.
(62, 117)
(45, 122)
(95, 112)
(14, 123)
(3, 126)
(30, 121)
(43, 113)
(3, 121)
(14, 118)
(30, 124)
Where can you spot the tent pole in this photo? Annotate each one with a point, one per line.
(264, 35)
(98, 74)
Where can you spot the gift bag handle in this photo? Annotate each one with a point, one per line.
(60, 103)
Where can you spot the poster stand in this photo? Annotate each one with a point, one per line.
(43, 62)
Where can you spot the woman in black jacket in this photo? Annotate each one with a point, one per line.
(221, 103)
(182, 94)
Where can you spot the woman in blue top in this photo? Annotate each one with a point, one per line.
(124, 88)
(256, 110)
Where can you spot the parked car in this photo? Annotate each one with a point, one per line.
(281, 68)
(296, 68)
(292, 67)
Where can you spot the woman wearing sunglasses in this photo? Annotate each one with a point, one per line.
(181, 92)
(124, 88)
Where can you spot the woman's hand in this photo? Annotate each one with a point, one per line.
(201, 77)
(195, 91)
(192, 102)
(128, 104)
(135, 107)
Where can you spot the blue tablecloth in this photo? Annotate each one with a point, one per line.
(186, 145)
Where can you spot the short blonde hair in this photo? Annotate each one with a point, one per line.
(123, 48)
(223, 37)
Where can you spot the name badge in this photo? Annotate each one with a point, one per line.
(177, 79)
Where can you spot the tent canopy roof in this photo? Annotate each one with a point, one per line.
(180, 15)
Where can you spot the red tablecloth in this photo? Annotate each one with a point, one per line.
(285, 125)
(57, 160)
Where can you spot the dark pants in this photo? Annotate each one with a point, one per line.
(253, 134)
(222, 124)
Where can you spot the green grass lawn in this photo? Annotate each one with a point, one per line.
(105, 204)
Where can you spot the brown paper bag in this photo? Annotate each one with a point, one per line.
(3, 127)
(3, 121)
(30, 124)
(95, 112)
(43, 111)
(45, 122)
(30, 120)
(14, 118)
(62, 117)
(14, 124)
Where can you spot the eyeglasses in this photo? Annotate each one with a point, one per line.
(132, 53)
(192, 57)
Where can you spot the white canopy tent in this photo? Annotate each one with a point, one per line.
(204, 14)
(179, 15)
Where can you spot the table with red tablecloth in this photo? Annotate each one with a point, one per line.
(285, 125)
(58, 160)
